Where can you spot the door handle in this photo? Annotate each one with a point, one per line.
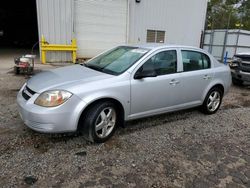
(174, 82)
(206, 77)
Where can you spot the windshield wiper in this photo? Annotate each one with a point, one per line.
(109, 72)
(94, 67)
(84, 64)
(100, 69)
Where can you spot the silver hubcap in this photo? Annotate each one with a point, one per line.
(105, 122)
(213, 101)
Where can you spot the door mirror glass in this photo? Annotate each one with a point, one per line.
(145, 74)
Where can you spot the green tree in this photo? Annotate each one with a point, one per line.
(244, 10)
(231, 14)
(222, 14)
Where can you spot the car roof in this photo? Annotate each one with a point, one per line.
(154, 46)
(157, 46)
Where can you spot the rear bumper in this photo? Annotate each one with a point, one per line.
(63, 118)
(240, 75)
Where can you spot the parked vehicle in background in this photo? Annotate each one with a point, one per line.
(124, 83)
(240, 68)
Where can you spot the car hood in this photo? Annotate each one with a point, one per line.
(65, 76)
(244, 57)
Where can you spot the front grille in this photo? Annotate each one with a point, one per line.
(27, 93)
(245, 65)
(30, 91)
(25, 96)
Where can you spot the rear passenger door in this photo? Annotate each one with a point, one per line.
(195, 77)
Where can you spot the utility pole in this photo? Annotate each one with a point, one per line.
(226, 35)
(241, 19)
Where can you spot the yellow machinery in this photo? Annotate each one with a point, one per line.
(45, 46)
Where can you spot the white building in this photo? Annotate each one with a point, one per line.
(98, 25)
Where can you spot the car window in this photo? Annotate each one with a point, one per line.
(193, 60)
(162, 63)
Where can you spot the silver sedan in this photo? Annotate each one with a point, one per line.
(124, 83)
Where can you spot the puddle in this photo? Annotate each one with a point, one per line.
(230, 106)
(245, 94)
(6, 93)
(246, 103)
(4, 130)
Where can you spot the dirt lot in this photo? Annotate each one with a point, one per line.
(183, 149)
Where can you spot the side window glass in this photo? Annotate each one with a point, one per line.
(194, 61)
(162, 63)
(206, 61)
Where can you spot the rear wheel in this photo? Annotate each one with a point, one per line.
(100, 122)
(237, 81)
(212, 101)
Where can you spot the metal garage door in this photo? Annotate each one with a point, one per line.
(99, 25)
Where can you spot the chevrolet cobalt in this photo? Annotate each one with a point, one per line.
(124, 83)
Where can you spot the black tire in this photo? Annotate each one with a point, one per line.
(17, 70)
(88, 123)
(30, 70)
(205, 106)
(237, 81)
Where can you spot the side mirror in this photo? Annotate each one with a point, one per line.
(145, 74)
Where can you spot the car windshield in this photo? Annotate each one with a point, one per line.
(117, 60)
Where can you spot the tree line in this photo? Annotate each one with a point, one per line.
(228, 14)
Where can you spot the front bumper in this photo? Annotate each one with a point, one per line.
(240, 75)
(63, 118)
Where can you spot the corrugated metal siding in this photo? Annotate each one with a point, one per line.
(182, 20)
(218, 42)
(55, 22)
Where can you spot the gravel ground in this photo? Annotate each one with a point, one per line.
(182, 149)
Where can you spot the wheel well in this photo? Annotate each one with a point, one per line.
(114, 101)
(220, 87)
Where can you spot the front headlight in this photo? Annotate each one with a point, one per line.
(52, 98)
(236, 58)
(233, 64)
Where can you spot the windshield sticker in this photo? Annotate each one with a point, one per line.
(141, 51)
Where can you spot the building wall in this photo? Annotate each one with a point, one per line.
(183, 20)
(55, 22)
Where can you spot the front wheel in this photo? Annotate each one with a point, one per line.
(212, 101)
(100, 122)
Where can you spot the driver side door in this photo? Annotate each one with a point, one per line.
(153, 95)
